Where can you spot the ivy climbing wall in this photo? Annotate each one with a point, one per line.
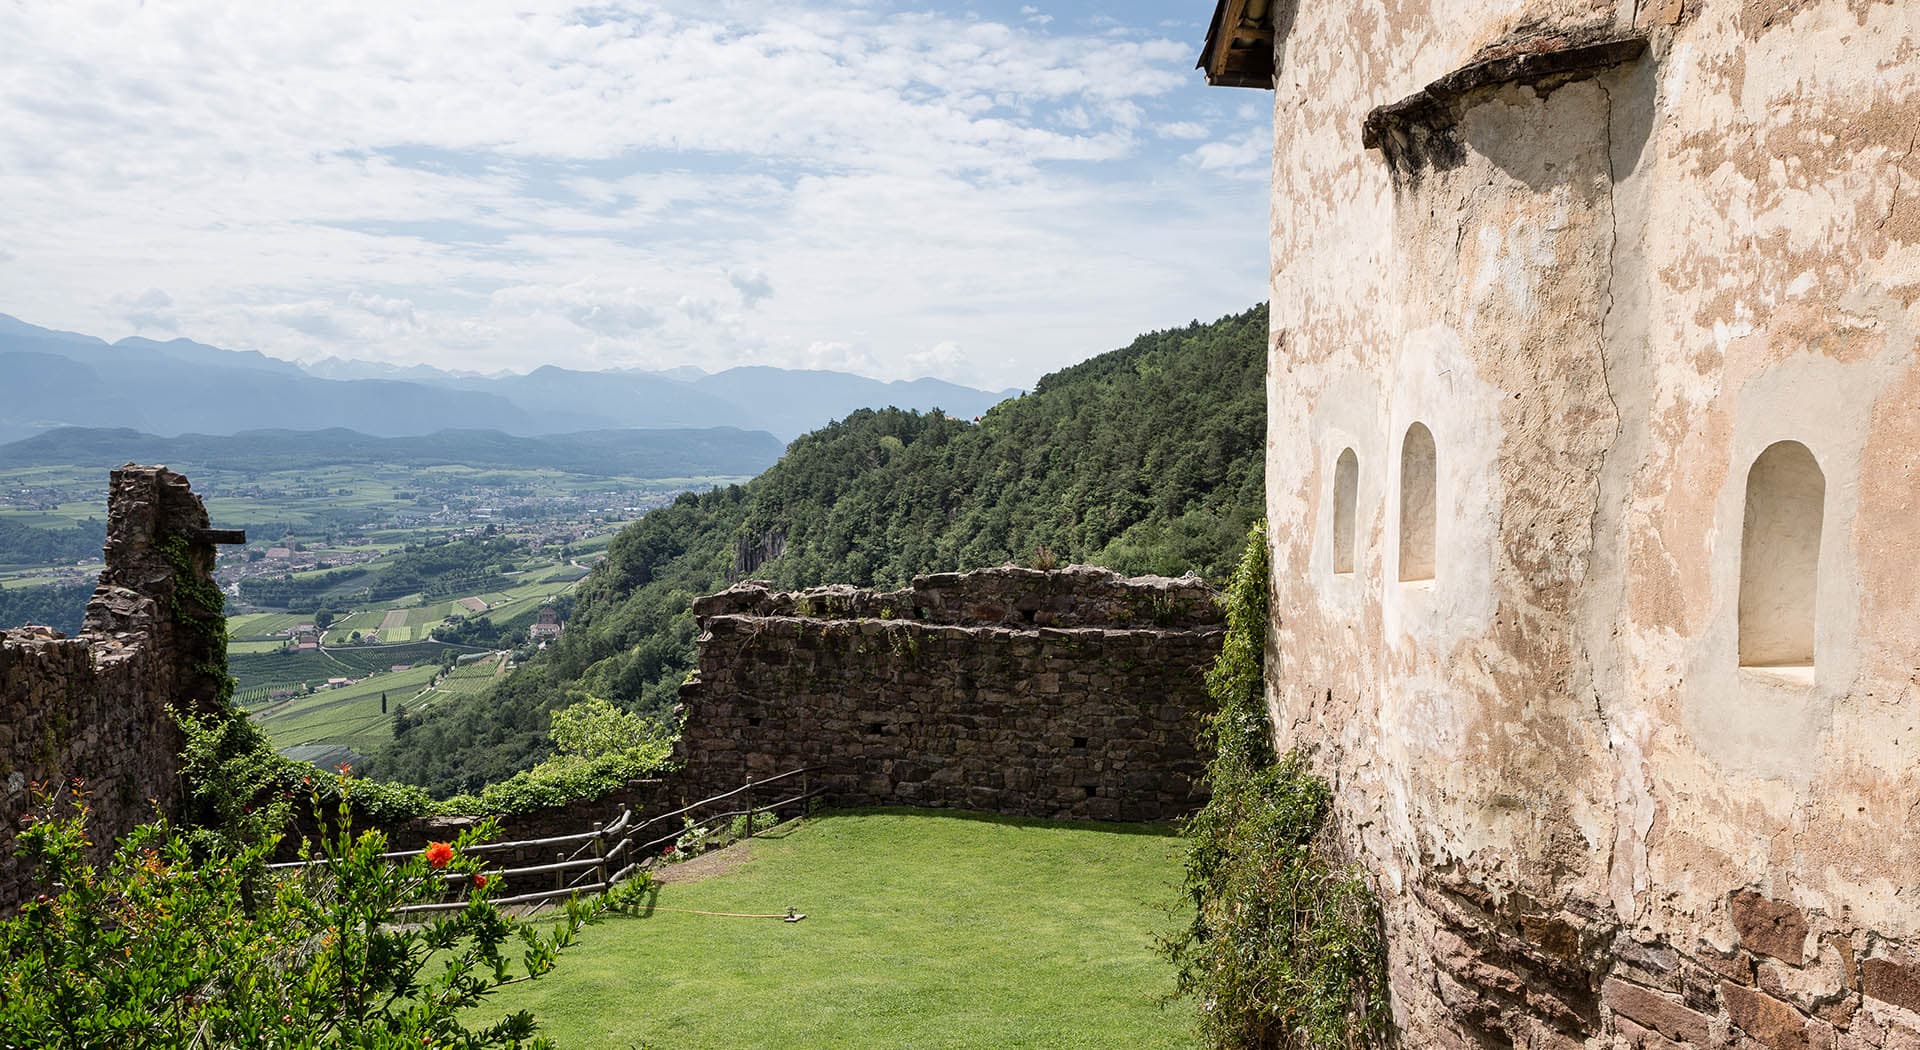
(92, 714)
(1075, 693)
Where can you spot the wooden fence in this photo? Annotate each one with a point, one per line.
(609, 854)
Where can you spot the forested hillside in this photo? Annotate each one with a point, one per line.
(1146, 460)
(25, 545)
(59, 606)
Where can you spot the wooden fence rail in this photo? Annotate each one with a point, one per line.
(586, 869)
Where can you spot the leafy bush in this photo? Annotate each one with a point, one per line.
(762, 821)
(238, 784)
(601, 748)
(240, 787)
(184, 941)
(1284, 948)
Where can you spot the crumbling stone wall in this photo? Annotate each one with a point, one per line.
(96, 707)
(1607, 254)
(1075, 693)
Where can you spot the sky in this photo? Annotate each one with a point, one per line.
(977, 191)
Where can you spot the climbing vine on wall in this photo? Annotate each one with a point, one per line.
(1284, 947)
(199, 606)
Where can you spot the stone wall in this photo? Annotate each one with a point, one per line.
(1074, 693)
(96, 707)
(1608, 255)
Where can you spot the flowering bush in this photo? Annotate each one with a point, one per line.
(183, 941)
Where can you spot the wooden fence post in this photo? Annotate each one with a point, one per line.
(600, 853)
(749, 833)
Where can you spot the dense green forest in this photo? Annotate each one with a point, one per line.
(26, 545)
(1146, 460)
(59, 606)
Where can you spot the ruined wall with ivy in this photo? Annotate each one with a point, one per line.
(97, 707)
(1075, 693)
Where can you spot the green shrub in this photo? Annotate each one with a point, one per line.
(188, 941)
(239, 786)
(600, 750)
(762, 821)
(1284, 947)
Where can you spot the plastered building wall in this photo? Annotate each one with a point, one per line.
(1608, 254)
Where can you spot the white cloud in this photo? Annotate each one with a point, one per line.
(598, 308)
(1243, 156)
(151, 309)
(497, 183)
(752, 284)
(397, 310)
(943, 360)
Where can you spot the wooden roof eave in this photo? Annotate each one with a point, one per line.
(1239, 51)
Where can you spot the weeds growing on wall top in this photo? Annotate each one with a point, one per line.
(1284, 948)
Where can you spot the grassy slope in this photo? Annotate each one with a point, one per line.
(923, 929)
(350, 715)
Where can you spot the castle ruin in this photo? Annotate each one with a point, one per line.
(99, 709)
(1594, 414)
(1076, 693)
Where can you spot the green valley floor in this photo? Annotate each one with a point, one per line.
(924, 929)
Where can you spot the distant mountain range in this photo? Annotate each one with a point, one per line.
(629, 453)
(64, 379)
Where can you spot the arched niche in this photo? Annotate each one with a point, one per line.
(1780, 558)
(1417, 505)
(1346, 493)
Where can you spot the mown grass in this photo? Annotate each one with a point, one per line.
(923, 929)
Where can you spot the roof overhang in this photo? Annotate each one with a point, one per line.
(1239, 49)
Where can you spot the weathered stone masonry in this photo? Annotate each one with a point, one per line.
(1051, 694)
(96, 707)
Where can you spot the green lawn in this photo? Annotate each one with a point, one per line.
(924, 929)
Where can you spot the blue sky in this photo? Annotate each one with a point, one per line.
(972, 189)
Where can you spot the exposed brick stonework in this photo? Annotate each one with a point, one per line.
(1511, 974)
(96, 707)
(1075, 693)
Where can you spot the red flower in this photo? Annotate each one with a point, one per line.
(344, 768)
(479, 881)
(439, 854)
(664, 850)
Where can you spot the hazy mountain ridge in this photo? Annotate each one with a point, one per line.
(632, 452)
(180, 387)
